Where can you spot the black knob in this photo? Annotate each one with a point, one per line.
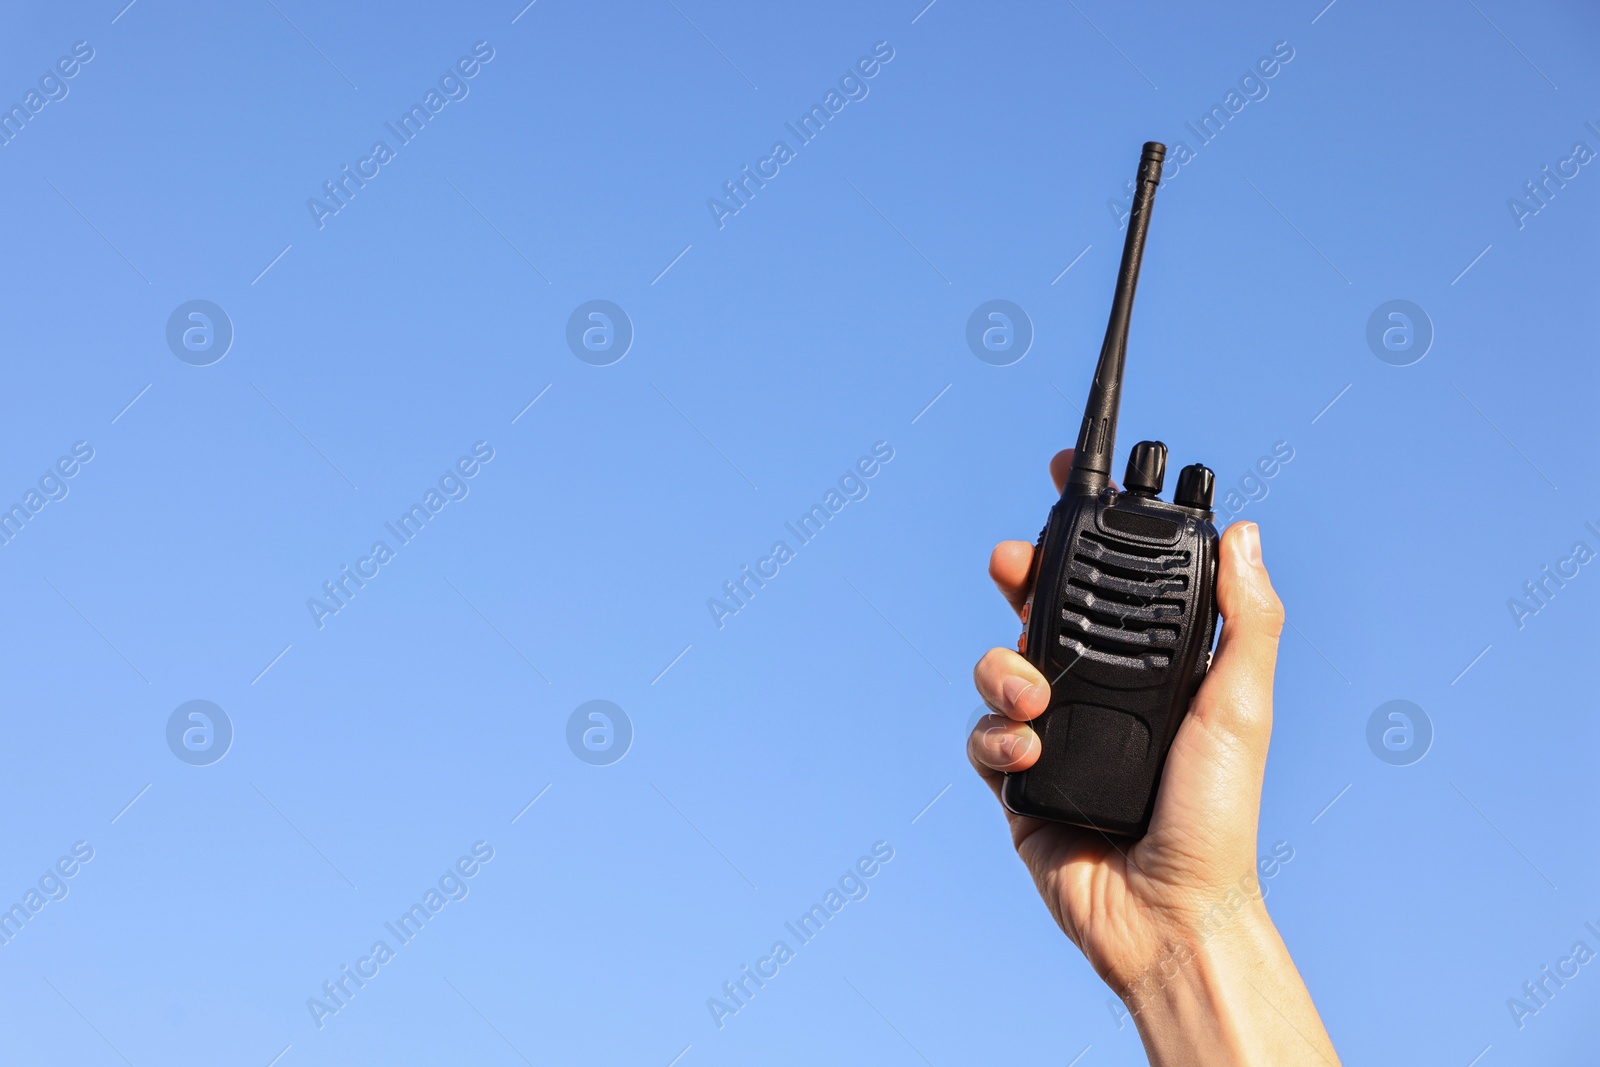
(1147, 468)
(1196, 484)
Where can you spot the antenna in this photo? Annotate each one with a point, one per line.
(1091, 462)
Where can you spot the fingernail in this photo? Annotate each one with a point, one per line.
(1013, 747)
(1013, 689)
(1250, 543)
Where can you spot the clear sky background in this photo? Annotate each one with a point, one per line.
(984, 161)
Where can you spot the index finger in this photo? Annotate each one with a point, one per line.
(1009, 565)
(1059, 466)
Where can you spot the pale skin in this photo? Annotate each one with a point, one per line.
(1174, 922)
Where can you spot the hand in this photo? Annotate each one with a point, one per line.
(1144, 911)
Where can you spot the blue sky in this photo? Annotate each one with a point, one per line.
(574, 153)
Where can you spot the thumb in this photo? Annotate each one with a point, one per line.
(1236, 696)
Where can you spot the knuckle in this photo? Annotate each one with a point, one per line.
(1266, 608)
(1272, 614)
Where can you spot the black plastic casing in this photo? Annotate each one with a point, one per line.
(1120, 622)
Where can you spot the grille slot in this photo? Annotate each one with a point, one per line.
(1160, 613)
(1139, 585)
(1095, 543)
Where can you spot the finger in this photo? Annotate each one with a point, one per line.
(1059, 466)
(998, 745)
(1009, 566)
(1237, 693)
(1010, 685)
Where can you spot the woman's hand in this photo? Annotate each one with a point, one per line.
(1174, 922)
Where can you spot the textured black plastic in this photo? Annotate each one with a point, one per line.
(1195, 486)
(1121, 622)
(1147, 468)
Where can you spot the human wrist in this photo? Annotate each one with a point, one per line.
(1187, 950)
(1185, 1004)
(1226, 993)
(1176, 932)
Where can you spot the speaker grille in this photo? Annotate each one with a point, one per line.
(1122, 605)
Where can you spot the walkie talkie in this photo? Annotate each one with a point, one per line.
(1124, 607)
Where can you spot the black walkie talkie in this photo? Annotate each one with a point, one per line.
(1124, 604)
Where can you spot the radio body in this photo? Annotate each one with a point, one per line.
(1120, 623)
(1123, 607)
